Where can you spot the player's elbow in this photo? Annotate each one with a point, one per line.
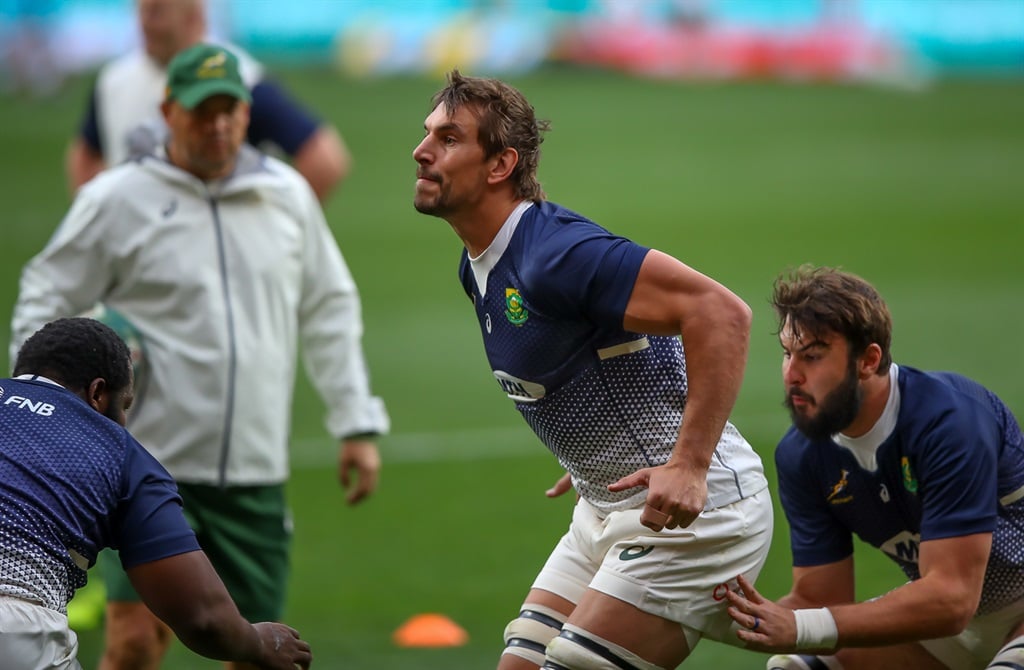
(956, 609)
(736, 314)
(324, 161)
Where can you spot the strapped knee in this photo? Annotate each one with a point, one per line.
(577, 649)
(803, 662)
(529, 634)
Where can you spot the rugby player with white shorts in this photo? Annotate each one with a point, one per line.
(585, 331)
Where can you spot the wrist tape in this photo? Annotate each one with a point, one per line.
(815, 629)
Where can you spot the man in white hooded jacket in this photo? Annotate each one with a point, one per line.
(221, 259)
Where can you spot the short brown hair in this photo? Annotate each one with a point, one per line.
(817, 300)
(506, 120)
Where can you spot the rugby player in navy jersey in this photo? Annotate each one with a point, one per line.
(585, 333)
(73, 481)
(926, 466)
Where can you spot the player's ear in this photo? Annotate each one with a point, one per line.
(503, 163)
(867, 365)
(98, 395)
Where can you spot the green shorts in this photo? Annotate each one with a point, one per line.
(246, 533)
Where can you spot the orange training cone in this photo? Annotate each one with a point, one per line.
(430, 630)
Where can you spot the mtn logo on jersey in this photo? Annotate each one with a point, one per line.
(518, 389)
(903, 546)
(514, 312)
(838, 488)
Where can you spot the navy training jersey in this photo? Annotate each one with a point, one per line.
(952, 466)
(550, 294)
(73, 482)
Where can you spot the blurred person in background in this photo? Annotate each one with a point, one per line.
(221, 259)
(72, 481)
(123, 119)
(28, 48)
(928, 467)
(123, 116)
(585, 331)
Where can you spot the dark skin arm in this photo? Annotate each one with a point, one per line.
(185, 592)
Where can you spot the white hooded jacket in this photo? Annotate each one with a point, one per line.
(223, 280)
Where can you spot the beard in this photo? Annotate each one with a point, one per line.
(836, 411)
(435, 204)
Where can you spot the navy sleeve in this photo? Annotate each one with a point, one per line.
(815, 536)
(153, 525)
(89, 129)
(955, 465)
(583, 269)
(276, 118)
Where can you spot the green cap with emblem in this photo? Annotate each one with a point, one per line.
(201, 71)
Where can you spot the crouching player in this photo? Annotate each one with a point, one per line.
(926, 466)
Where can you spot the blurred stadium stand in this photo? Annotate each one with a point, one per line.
(895, 41)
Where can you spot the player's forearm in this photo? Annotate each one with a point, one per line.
(220, 634)
(914, 611)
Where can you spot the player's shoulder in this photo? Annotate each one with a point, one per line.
(939, 400)
(550, 225)
(934, 393)
(128, 69)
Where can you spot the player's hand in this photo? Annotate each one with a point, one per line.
(563, 485)
(764, 625)
(675, 495)
(281, 648)
(358, 460)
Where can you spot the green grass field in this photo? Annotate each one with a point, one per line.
(921, 192)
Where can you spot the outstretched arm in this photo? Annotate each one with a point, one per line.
(185, 592)
(939, 604)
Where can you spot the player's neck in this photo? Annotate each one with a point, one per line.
(876, 396)
(477, 229)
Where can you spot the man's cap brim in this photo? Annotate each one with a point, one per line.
(195, 94)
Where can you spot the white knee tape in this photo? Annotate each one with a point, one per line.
(577, 649)
(529, 634)
(803, 662)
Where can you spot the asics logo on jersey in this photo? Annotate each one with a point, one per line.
(636, 551)
(170, 208)
(40, 408)
(514, 312)
(838, 488)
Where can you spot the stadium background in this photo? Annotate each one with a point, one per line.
(884, 137)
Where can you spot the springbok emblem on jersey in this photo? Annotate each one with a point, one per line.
(515, 313)
(838, 488)
(909, 481)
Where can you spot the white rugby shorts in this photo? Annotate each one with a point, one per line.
(978, 643)
(33, 637)
(680, 575)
